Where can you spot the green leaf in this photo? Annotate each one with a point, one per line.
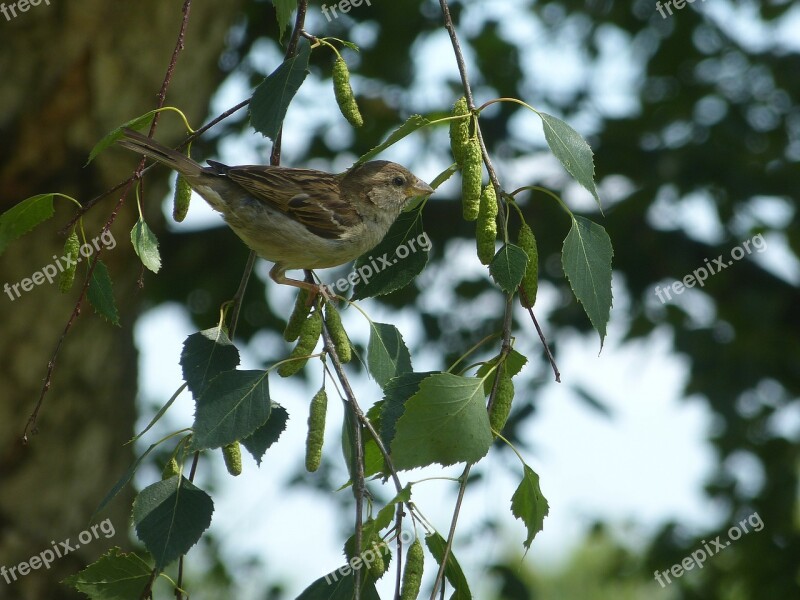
(24, 216)
(513, 364)
(266, 435)
(572, 150)
(283, 11)
(170, 516)
(445, 422)
(373, 458)
(349, 423)
(508, 267)
(444, 176)
(396, 393)
(138, 123)
(340, 585)
(232, 407)
(272, 97)
(350, 45)
(387, 513)
(529, 505)
(158, 415)
(205, 355)
(398, 259)
(145, 244)
(416, 201)
(101, 295)
(115, 576)
(586, 258)
(123, 481)
(455, 575)
(369, 536)
(413, 123)
(387, 355)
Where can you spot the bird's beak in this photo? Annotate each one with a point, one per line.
(420, 188)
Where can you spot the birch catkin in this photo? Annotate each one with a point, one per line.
(487, 225)
(501, 407)
(316, 430)
(309, 334)
(412, 576)
(471, 175)
(298, 317)
(339, 336)
(232, 453)
(170, 469)
(71, 248)
(530, 281)
(344, 93)
(459, 130)
(180, 202)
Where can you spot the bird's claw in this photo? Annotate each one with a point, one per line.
(319, 290)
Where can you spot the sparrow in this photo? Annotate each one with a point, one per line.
(296, 218)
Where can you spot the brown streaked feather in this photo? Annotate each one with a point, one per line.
(310, 197)
(328, 219)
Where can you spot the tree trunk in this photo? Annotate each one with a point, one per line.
(72, 72)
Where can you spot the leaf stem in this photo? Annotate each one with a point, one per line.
(538, 188)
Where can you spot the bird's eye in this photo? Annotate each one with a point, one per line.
(399, 181)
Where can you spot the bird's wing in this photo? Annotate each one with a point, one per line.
(310, 197)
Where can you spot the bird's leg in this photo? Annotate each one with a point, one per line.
(277, 275)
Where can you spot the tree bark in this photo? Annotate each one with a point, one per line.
(71, 73)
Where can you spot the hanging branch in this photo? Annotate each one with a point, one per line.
(179, 45)
(508, 312)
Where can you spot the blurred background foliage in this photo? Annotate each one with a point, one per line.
(696, 148)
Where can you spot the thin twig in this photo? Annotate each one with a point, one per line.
(508, 314)
(239, 297)
(31, 424)
(356, 468)
(291, 49)
(359, 483)
(547, 351)
(398, 522)
(162, 93)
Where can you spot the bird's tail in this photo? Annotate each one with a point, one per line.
(133, 140)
